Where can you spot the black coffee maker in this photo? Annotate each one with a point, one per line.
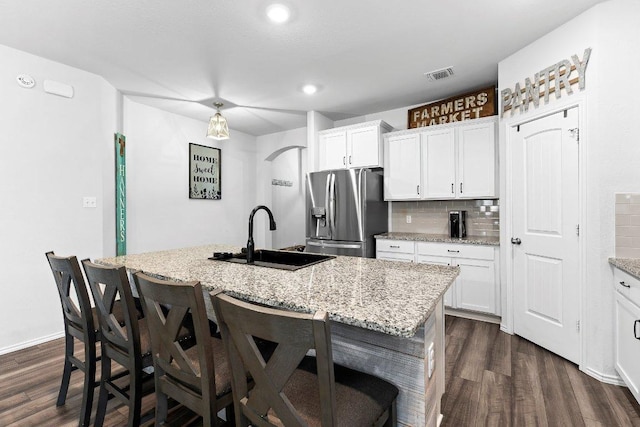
(457, 224)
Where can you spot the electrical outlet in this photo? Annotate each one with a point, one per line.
(89, 202)
(408, 219)
(431, 359)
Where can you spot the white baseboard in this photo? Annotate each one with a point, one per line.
(472, 315)
(31, 343)
(605, 378)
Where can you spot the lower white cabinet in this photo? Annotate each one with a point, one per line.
(627, 342)
(476, 288)
(395, 250)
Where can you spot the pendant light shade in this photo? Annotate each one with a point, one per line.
(218, 128)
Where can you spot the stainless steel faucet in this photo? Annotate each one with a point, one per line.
(250, 244)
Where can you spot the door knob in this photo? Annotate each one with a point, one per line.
(516, 240)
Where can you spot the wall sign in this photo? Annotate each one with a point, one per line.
(121, 195)
(204, 172)
(472, 105)
(553, 79)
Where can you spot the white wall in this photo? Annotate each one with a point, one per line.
(288, 202)
(160, 213)
(610, 153)
(268, 148)
(53, 154)
(57, 150)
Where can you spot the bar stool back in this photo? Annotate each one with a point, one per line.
(80, 324)
(292, 389)
(126, 343)
(197, 376)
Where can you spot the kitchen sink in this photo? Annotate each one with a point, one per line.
(275, 259)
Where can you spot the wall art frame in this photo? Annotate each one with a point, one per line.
(205, 172)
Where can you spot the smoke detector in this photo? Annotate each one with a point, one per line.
(440, 74)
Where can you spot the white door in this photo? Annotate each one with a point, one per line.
(476, 161)
(333, 150)
(439, 163)
(546, 285)
(363, 149)
(402, 167)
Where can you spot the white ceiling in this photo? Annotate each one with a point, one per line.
(366, 55)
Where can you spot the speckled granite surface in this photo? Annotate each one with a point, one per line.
(390, 297)
(630, 265)
(440, 238)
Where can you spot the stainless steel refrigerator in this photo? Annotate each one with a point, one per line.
(345, 209)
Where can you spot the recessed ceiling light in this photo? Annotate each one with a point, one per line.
(278, 13)
(309, 89)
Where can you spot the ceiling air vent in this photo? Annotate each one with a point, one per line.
(439, 74)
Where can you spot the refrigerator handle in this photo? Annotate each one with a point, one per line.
(332, 203)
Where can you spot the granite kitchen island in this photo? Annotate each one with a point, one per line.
(387, 316)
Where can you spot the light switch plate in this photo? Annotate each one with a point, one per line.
(89, 202)
(408, 219)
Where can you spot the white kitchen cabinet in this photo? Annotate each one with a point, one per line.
(477, 168)
(353, 146)
(395, 250)
(439, 163)
(627, 330)
(477, 286)
(402, 167)
(456, 161)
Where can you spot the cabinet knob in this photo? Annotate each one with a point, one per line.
(349, 159)
(624, 284)
(460, 188)
(344, 160)
(455, 252)
(635, 329)
(452, 190)
(394, 246)
(418, 189)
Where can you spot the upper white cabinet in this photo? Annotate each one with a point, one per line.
(456, 161)
(353, 146)
(402, 166)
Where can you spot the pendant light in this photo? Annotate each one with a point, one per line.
(218, 128)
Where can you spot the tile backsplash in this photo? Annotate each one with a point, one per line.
(432, 217)
(628, 225)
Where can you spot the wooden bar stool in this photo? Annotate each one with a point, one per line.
(198, 376)
(127, 343)
(292, 389)
(80, 322)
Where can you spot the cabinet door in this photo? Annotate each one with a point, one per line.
(627, 352)
(476, 285)
(332, 150)
(363, 148)
(449, 296)
(393, 256)
(402, 167)
(476, 161)
(439, 164)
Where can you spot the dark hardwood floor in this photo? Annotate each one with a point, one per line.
(496, 379)
(492, 379)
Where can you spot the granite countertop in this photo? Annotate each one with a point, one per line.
(385, 296)
(629, 265)
(440, 238)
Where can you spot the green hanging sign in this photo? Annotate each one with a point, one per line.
(121, 196)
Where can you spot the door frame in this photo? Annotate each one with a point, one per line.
(506, 202)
